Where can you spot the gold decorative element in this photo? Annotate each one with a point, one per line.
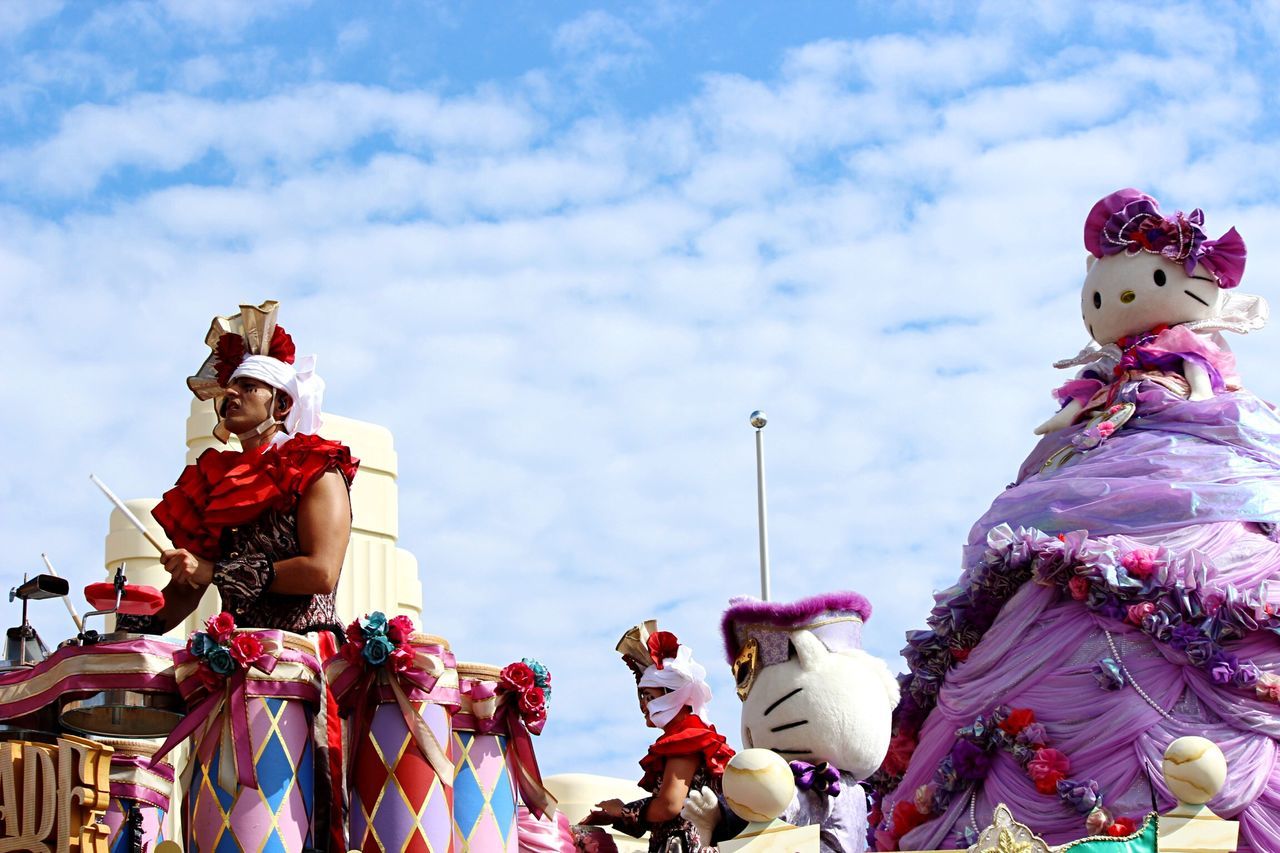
(53, 795)
(634, 647)
(746, 667)
(255, 324)
(1006, 835)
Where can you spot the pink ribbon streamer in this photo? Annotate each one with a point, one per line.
(229, 706)
(359, 689)
(521, 757)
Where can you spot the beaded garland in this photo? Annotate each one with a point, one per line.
(1131, 586)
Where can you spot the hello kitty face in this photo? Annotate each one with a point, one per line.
(1129, 294)
(822, 705)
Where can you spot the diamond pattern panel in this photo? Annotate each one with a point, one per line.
(274, 817)
(152, 825)
(399, 804)
(484, 805)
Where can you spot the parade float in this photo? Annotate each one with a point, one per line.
(1114, 607)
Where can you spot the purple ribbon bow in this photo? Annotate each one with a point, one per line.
(822, 778)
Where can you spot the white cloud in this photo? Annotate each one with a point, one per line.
(566, 322)
(18, 16)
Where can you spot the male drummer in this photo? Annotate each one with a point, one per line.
(268, 525)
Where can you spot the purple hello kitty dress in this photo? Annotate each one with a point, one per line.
(1112, 600)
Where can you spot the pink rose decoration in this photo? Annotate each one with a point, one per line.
(1138, 612)
(1078, 586)
(401, 658)
(399, 629)
(533, 701)
(220, 627)
(246, 648)
(1047, 769)
(1106, 428)
(1141, 563)
(520, 676)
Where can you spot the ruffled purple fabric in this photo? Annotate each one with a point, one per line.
(1189, 477)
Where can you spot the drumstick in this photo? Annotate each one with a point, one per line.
(132, 519)
(71, 608)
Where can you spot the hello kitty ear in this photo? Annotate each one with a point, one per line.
(809, 649)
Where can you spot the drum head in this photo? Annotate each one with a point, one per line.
(122, 713)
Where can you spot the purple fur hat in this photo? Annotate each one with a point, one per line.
(835, 617)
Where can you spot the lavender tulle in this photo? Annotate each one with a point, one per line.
(1184, 475)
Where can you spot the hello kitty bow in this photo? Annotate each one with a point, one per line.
(1130, 221)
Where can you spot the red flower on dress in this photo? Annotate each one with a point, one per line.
(246, 648)
(220, 627)
(1047, 769)
(1018, 719)
(901, 746)
(906, 817)
(663, 645)
(1121, 827)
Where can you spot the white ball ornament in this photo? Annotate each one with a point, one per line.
(758, 785)
(1194, 769)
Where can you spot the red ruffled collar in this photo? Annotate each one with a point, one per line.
(225, 488)
(686, 735)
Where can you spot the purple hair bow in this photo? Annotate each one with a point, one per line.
(1130, 221)
(821, 778)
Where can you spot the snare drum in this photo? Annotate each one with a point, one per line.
(133, 701)
(122, 686)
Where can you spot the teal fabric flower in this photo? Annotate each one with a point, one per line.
(374, 625)
(201, 644)
(377, 649)
(220, 660)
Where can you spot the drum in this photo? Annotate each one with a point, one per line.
(140, 794)
(484, 793)
(253, 760)
(122, 686)
(401, 780)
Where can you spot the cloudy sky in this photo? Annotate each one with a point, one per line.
(562, 251)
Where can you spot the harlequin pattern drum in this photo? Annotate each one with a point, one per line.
(277, 814)
(484, 794)
(398, 801)
(135, 784)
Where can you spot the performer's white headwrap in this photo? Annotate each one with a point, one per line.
(298, 380)
(685, 678)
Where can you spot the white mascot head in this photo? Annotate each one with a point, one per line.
(809, 692)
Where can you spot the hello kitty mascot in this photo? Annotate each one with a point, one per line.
(1115, 597)
(811, 694)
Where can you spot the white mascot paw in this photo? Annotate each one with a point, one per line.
(702, 809)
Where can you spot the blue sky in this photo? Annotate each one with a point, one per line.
(563, 250)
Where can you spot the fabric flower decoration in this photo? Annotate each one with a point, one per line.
(1017, 720)
(201, 644)
(970, 760)
(1047, 769)
(1082, 795)
(246, 648)
(220, 626)
(663, 646)
(377, 649)
(373, 625)
(220, 661)
(400, 629)
(520, 676)
(1122, 826)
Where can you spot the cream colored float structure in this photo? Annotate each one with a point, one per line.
(376, 574)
